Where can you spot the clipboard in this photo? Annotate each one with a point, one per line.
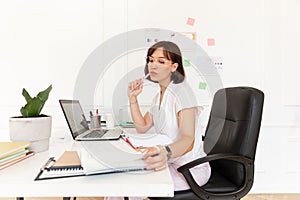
(68, 165)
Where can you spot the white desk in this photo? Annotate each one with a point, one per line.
(18, 180)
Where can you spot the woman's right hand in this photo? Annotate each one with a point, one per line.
(156, 157)
(135, 88)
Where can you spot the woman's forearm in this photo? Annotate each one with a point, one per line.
(182, 146)
(136, 115)
(185, 142)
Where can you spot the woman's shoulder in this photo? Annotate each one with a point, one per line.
(182, 87)
(183, 93)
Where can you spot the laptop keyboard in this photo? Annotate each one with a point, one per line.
(95, 134)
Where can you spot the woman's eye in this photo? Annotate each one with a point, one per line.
(151, 61)
(162, 61)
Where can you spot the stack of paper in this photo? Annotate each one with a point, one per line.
(13, 152)
(107, 157)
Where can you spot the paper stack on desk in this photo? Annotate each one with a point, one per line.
(13, 152)
(106, 157)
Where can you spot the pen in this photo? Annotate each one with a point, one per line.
(98, 118)
(138, 85)
(125, 138)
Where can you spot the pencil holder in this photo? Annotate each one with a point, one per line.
(95, 121)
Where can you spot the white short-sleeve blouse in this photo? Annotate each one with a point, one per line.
(165, 117)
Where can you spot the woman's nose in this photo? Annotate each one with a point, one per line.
(153, 65)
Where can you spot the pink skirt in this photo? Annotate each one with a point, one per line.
(200, 173)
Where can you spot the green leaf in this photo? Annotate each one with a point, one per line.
(26, 95)
(35, 105)
(43, 95)
(32, 108)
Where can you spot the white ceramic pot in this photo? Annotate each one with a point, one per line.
(36, 130)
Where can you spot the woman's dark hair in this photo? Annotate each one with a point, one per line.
(172, 52)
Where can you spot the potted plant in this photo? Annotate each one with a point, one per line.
(32, 126)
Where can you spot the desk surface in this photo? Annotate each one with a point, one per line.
(18, 180)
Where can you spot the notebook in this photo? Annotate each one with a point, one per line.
(79, 127)
(9, 148)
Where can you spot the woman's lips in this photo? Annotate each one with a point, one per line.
(153, 73)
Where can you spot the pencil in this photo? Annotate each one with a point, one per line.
(138, 85)
(125, 138)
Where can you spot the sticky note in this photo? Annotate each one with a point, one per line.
(211, 42)
(190, 21)
(202, 85)
(194, 36)
(186, 63)
(190, 35)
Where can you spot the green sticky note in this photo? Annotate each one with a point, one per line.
(202, 85)
(186, 63)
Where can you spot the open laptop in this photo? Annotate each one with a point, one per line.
(79, 127)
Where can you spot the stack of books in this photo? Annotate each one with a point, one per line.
(13, 152)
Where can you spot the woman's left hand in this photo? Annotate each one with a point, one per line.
(155, 157)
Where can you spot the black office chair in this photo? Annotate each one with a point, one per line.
(230, 144)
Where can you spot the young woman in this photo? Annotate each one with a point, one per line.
(174, 112)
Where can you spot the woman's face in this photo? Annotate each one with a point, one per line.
(160, 67)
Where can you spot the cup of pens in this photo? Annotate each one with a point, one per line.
(95, 121)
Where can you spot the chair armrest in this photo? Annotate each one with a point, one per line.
(203, 194)
(219, 156)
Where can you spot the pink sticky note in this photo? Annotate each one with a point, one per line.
(211, 42)
(190, 21)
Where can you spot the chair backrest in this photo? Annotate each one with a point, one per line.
(233, 127)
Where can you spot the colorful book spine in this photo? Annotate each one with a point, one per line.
(13, 152)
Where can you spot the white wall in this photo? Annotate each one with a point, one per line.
(46, 42)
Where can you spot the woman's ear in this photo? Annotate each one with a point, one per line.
(174, 67)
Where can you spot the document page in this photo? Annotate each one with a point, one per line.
(148, 139)
(103, 155)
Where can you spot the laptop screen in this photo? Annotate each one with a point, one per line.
(74, 116)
